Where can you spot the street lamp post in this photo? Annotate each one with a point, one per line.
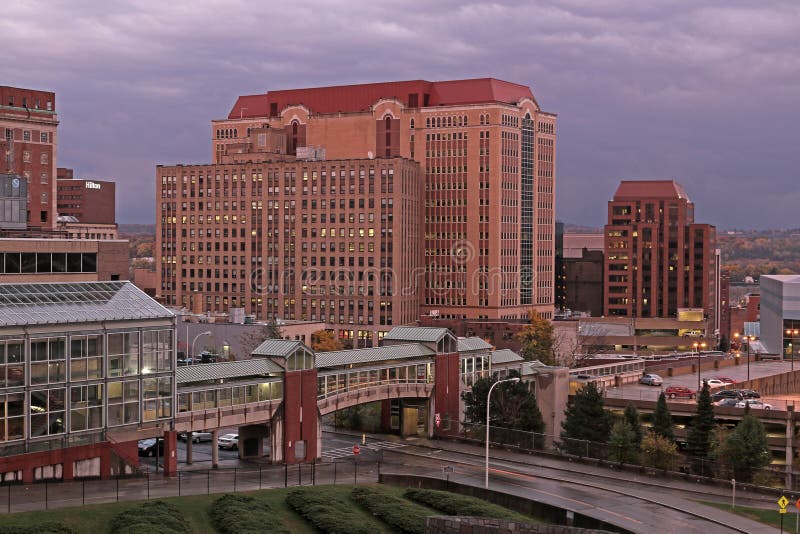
(697, 346)
(488, 399)
(794, 333)
(746, 339)
(206, 333)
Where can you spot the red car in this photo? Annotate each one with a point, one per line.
(679, 392)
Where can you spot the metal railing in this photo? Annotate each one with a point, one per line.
(372, 384)
(55, 494)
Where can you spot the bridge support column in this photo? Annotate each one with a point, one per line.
(189, 444)
(447, 393)
(301, 435)
(789, 445)
(170, 453)
(276, 440)
(215, 449)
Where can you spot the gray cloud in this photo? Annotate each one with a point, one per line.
(701, 91)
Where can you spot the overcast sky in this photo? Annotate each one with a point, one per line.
(705, 92)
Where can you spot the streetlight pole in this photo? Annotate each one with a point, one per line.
(697, 346)
(206, 333)
(794, 333)
(488, 399)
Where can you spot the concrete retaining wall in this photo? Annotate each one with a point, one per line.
(546, 512)
(481, 525)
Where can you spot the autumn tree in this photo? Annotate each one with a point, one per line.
(537, 340)
(659, 452)
(254, 337)
(325, 341)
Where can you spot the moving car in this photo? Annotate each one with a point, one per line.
(727, 402)
(197, 437)
(714, 382)
(651, 380)
(754, 404)
(147, 447)
(725, 380)
(228, 441)
(679, 392)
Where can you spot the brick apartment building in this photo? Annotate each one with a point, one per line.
(657, 259)
(28, 145)
(485, 151)
(89, 201)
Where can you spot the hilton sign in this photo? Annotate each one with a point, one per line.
(92, 185)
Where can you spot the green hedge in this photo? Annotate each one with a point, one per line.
(328, 512)
(401, 515)
(455, 504)
(240, 514)
(149, 517)
(48, 527)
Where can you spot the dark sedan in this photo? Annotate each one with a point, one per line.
(147, 447)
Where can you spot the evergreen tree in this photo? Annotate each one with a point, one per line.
(622, 442)
(746, 449)
(631, 415)
(662, 419)
(586, 420)
(700, 442)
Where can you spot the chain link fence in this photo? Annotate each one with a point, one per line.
(55, 494)
(680, 464)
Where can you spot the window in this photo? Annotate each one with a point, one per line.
(86, 407)
(157, 394)
(26, 135)
(47, 412)
(43, 137)
(156, 351)
(12, 416)
(12, 365)
(44, 178)
(43, 158)
(123, 354)
(123, 403)
(48, 360)
(86, 357)
(26, 156)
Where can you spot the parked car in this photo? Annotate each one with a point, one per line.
(754, 404)
(679, 392)
(725, 380)
(228, 441)
(726, 394)
(749, 394)
(197, 437)
(714, 382)
(727, 402)
(147, 447)
(693, 333)
(651, 380)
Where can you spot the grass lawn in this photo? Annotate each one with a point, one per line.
(95, 519)
(768, 517)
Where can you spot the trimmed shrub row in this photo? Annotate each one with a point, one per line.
(48, 527)
(455, 504)
(328, 512)
(241, 514)
(401, 515)
(149, 517)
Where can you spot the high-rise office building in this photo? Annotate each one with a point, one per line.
(28, 147)
(657, 259)
(487, 154)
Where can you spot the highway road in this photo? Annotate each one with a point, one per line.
(640, 505)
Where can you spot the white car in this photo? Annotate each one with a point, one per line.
(651, 380)
(228, 441)
(754, 404)
(715, 382)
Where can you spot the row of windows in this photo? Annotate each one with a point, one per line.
(44, 137)
(47, 262)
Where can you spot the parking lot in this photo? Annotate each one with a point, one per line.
(738, 373)
(201, 453)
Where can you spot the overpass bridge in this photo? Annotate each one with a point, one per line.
(281, 393)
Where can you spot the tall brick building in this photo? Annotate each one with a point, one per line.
(28, 148)
(485, 159)
(657, 259)
(89, 201)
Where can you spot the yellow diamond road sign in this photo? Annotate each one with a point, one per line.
(783, 501)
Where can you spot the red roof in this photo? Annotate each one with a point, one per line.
(636, 189)
(354, 98)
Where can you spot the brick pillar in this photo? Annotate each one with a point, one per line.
(386, 416)
(170, 453)
(447, 393)
(300, 415)
(189, 457)
(215, 448)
